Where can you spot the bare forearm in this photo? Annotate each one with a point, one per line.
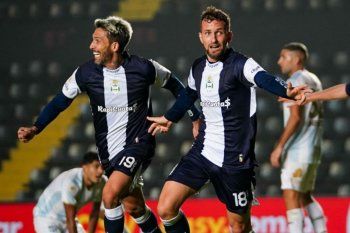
(92, 223)
(70, 215)
(94, 215)
(332, 93)
(71, 226)
(289, 130)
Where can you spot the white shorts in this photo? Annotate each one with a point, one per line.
(49, 225)
(300, 177)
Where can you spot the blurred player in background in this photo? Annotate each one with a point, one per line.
(299, 146)
(223, 152)
(60, 202)
(118, 87)
(340, 91)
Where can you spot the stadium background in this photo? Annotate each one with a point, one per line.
(42, 42)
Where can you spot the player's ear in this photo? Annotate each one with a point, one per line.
(115, 46)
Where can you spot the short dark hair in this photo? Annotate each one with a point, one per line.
(118, 29)
(89, 157)
(299, 47)
(212, 13)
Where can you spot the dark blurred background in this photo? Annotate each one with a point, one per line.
(43, 42)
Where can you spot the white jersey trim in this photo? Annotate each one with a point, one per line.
(250, 69)
(70, 88)
(191, 81)
(252, 101)
(162, 74)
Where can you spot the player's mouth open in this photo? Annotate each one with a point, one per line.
(215, 46)
(96, 54)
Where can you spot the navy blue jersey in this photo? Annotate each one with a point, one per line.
(347, 89)
(226, 90)
(119, 100)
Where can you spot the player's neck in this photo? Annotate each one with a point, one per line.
(296, 69)
(115, 62)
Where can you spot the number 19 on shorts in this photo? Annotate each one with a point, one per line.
(240, 199)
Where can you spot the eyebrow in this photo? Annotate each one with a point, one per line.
(97, 37)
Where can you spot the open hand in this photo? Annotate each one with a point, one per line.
(159, 125)
(298, 93)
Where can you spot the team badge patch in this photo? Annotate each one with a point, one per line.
(209, 84)
(115, 88)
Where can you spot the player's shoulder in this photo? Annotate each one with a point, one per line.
(88, 70)
(233, 57)
(74, 176)
(89, 66)
(137, 61)
(198, 62)
(142, 65)
(308, 73)
(304, 76)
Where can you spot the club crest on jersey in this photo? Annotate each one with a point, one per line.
(115, 88)
(209, 84)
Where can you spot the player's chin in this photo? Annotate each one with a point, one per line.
(97, 179)
(98, 61)
(215, 54)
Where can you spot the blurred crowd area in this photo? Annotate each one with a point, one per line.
(42, 42)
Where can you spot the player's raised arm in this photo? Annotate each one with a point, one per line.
(279, 87)
(58, 104)
(258, 77)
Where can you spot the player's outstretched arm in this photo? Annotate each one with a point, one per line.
(336, 92)
(159, 125)
(48, 114)
(279, 87)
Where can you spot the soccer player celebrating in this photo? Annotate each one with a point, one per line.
(118, 87)
(60, 202)
(223, 152)
(300, 144)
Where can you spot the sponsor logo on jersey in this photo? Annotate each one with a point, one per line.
(226, 103)
(255, 69)
(281, 82)
(132, 108)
